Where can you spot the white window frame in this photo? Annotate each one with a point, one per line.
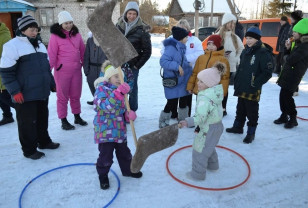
(46, 17)
(215, 21)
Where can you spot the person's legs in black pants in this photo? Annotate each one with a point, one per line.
(26, 114)
(42, 123)
(189, 103)
(174, 110)
(6, 104)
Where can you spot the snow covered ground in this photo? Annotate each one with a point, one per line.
(278, 159)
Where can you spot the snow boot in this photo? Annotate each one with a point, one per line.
(291, 123)
(78, 120)
(164, 119)
(135, 175)
(282, 119)
(104, 182)
(51, 145)
(250, 134)
(66, 125)
(237, 128)
(6, 120)
(182, 113)
(35, 156)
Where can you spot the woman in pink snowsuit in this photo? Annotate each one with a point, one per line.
(65, 50)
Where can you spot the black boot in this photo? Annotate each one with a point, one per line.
(291, 123)
(134, 175)
(282, 119)
(104, 182)
(51, 145)
(237, 128)
(78, 120)
(35, 156)
(66, 125)
(250, 134)
(6, 120)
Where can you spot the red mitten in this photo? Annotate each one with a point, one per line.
(131, 115)
(121, 91)
(19, 98)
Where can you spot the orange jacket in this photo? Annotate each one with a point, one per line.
(207, 61)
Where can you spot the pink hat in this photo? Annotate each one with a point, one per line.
(212, 76)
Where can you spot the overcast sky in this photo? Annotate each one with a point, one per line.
(245, 8)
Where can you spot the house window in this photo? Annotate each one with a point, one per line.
(90, 11)
(201, 20)
(46, 17)
(215, 22)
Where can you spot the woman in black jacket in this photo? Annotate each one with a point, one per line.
(294, 69)
(137, 32)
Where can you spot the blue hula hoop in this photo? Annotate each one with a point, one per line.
(70, 165)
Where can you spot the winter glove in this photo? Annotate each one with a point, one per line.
(131, 115)
(19, 98)
(121, 91)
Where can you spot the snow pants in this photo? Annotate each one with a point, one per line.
(69, 85)
(208, 157)
(32, 121)
(105, 158)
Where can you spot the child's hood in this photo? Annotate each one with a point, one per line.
(173, 42)
(215, 93)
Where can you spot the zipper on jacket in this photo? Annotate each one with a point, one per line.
(208, 59)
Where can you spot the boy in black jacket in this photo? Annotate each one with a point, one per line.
(255, 69)
(294, 69)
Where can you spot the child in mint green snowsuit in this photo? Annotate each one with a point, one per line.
(208, 116)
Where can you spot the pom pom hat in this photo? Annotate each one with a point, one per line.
(109, 71)
(64, 16)
(212, 76)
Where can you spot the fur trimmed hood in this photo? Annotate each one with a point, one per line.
(57, 30)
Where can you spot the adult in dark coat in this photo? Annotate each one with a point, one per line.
(94, 57)
(137, 32)
(296, 16)
(293, 71)
(280, 46)
(239, 30)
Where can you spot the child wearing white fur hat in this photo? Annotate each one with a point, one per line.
(110, 126)
(208, 116)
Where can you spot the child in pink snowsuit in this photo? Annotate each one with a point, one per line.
(66, 50)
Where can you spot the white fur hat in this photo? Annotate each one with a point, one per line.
(228, 17)
(64, 16)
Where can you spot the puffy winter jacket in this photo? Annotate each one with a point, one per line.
(295, 67)
(26, 69)
(207, 61)
(173, 57)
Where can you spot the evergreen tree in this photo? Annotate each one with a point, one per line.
(277, 8)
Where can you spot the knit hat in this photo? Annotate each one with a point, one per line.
(179, 33)
(228, 17)
(216, 39)
(131, 5)
(301, 27)
(24, 21)
(64, 16)
(253, 32)
(297, 15)
(212, 76)
(109, 71)
(284, 18)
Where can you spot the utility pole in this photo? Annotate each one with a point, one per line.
(197, 3)
(212, 8)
